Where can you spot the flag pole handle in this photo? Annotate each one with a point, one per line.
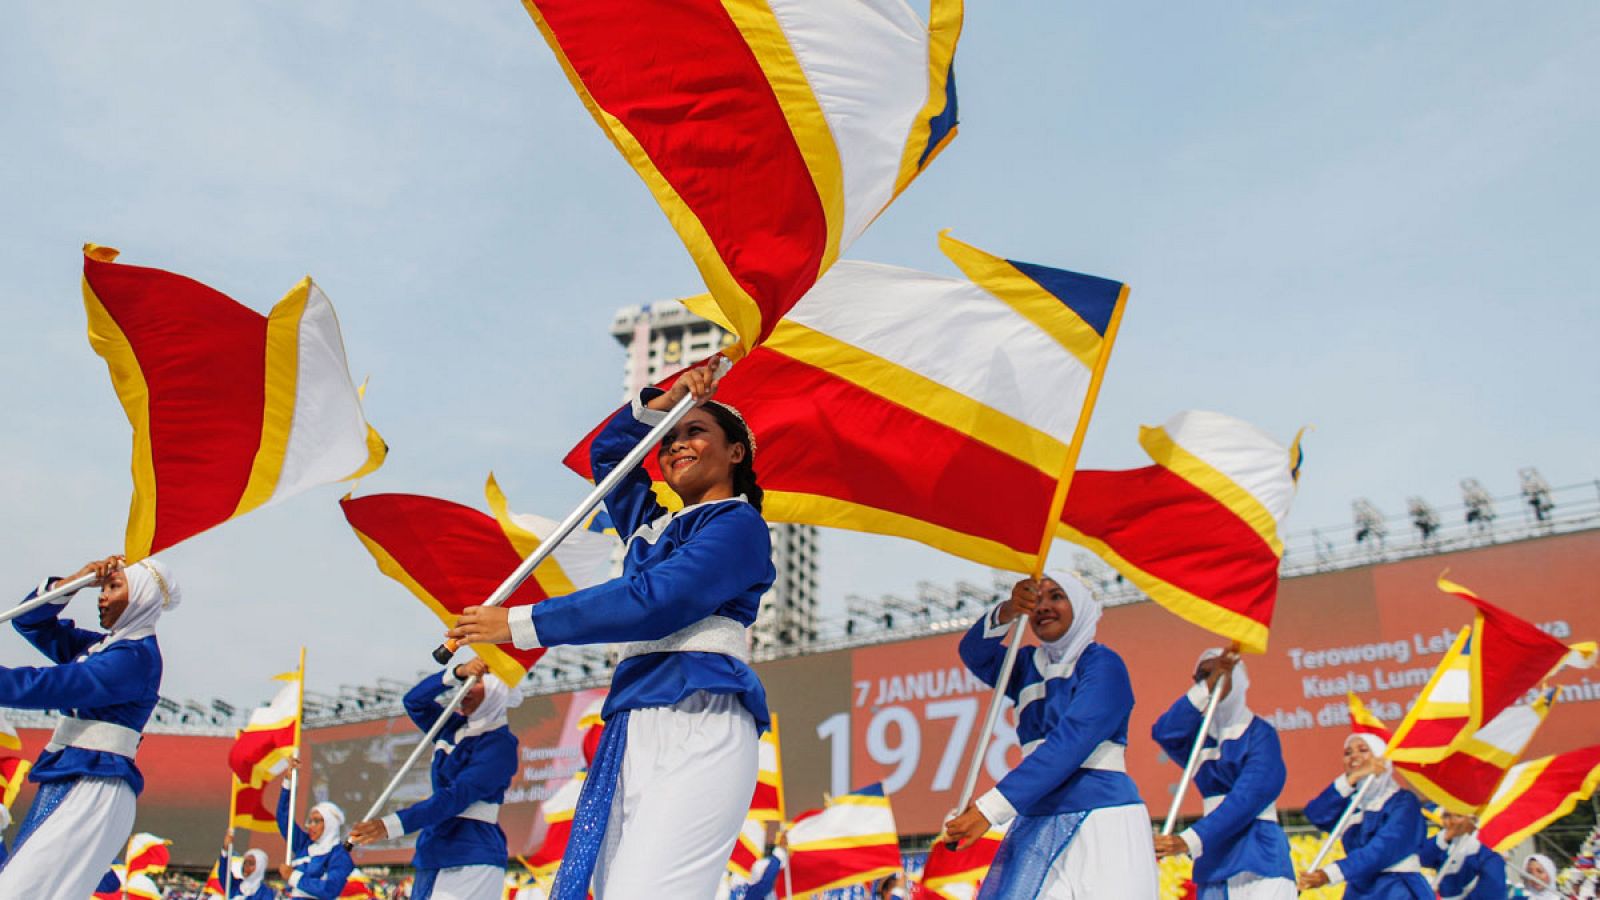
(288, 840)
(1343, 823)
(63, 589)
(416, 753)
(1189, 768)
(992, 718)
(446, 650)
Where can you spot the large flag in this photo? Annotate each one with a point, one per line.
(231, 410)
(1201, 530)
(557, 812)
(772, 134)
(957, 874)
(1493, 662)
(147, 854)
(1464, 781)
(852, 840)
(263, 748)
(1536, 793)
(452, 556)
(945, 410)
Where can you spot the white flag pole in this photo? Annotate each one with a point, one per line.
(62, 589)
(1339, 827)
(1189, 768)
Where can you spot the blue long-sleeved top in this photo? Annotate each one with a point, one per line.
(1062, 720)
(1240, 778)
(710, 559)
(118, 684)
(263, 891)
(476, 769)
(1376, 841)
(320, 877)
(1481, 876)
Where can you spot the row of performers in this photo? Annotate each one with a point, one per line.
(672, 777)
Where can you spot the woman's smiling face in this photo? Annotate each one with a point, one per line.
(697, 459)
(1054, 615)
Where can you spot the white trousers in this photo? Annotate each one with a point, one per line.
(1254, 887)
(682, 795)
(1112, 855)
(470, 883)
(75, 847)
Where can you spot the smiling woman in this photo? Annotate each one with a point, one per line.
(685, 708)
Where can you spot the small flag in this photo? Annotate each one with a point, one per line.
(749, 848)
(557, 812)
(148, 853)
(772, 134)
(1364, 721)
(214, 886)
(110, 886)
(1493, 662)
(1201, 530)
(767, 804)
(881, 405)
(957, 874)
(452, 556)
(14, 768)
(357, 887)
(852, 840)
(1536, 793)
(141, 887)
(263, 748)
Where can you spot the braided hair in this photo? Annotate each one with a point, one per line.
(737, 432)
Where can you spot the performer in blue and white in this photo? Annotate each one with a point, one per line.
(319, 864)
(1380, 843)
(672, 779)
(1081, 830)
(105, 686)
(1467, 869)
(247, 874)
(1240, 851)
(1539, 878)
(461, 852)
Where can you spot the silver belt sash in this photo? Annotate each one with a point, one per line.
(1109, 756)
(91, 734)
(481, 812)
(1209, 804)
(713, 634)
(1409, 864)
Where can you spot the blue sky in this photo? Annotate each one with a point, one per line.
(1379, 219)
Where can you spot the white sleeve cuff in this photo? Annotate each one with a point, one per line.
(1343, 786)
(59, 601)
(995, 807)
(1442, 841)
(449, 678)
(391, 824)
(645, 415)
(523, 635)
(992, 627)
(781, 854)
(294, 878)
(1199, 695)
(1193, 842)
(1334, 875)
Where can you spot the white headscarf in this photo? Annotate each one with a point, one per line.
(152, 590)
(1233, 711)
(1062, 654)
(1377, 745)
(249, 884)
(491, 713)
(332, 828)
(1548, 889)
(1385, 787)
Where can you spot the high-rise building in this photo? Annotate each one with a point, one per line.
(662, 338)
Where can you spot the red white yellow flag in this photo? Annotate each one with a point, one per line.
(141, 887)
(452, 556)
(147, 854)
(772, 134)
(852, 840)
(1201, 530)
(357, 887)
(14, 767)
(263, 748)
(957, 874)
(231, 410)
(1493, 663)
(880, 405)
(767, 803)
(557, 812)
(1536, 793)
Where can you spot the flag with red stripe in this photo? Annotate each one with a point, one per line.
(231, 410)
(14, 767)
(957, 874)
(250, 810)
(357, 887)
(148, 853)
(1464, 780)
(772, 133)
(1201, 530)
(451, 557)
(945, 410)
(557, 812)
(214, 886)
(141, 887)
(852, 840)
(262, 749)
(1493, 663)
(1536, 793)
(767, 803)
